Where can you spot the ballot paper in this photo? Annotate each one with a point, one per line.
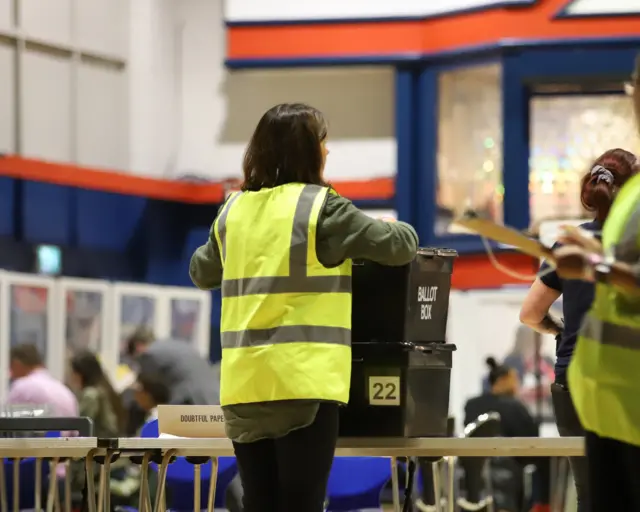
(194, 421)
(505, 235)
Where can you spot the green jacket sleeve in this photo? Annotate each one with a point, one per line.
(345, 232)
(205, 268)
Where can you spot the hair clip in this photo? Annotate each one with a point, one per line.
(600, 173)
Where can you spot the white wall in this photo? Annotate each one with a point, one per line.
(63, 93)
(141, 87)
(189, 115)
(263, 10)
(581, 7)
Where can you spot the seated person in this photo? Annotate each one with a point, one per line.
(32, 384)
(515, 421)
(150, 392)
(98, 401)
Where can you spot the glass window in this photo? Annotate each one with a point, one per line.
(567, 134)
(185, 314)
(83, 320)
(469, 144)
(29, 321)
(136, 311)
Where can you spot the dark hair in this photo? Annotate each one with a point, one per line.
(496, 371)
(91, 374)
(603, 180)
(154, 385)
(26, 353)
(285, 148)
(141, 336)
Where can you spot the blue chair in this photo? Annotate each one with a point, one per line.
(27, 480)
(180, 475)
(355, 483)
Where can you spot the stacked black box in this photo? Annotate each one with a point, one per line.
(401, 362)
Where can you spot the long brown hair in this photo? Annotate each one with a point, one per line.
(603, 180)
(91, 373)
(285, 148)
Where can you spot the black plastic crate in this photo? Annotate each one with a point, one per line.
(398, 390)
(408, 303)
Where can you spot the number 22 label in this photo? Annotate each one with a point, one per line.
(384, 390)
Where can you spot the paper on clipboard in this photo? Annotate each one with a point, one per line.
(505, 235)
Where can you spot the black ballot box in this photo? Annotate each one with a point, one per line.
(398, 390)
(407, 303)
(401, 363)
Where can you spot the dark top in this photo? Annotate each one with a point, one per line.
(515, 419)
(577, 297)
(344, 232)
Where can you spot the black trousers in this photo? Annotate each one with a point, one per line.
(614, 474)
(569, 426)
(290, 474)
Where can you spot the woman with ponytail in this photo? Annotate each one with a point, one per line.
(599, 187)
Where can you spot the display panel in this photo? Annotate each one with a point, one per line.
(133, 306)
(27, 315)
(85, 319)
(567, 134)
(189, 312)
(469, 162)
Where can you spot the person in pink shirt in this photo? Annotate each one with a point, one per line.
(32, 384)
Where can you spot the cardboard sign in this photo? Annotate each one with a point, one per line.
(195, 421)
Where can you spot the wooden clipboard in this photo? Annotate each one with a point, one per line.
(584, 239)
(505, 235)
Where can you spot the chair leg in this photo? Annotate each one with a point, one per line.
(437, 485)
(489, 487)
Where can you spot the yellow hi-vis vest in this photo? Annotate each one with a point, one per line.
(604, 374)
(286, 319)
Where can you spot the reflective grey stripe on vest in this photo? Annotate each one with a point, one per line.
(297, 281)
(286, 334)
(222, 224)
(610, 334)
(627, 250)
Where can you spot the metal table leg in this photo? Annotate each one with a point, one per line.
(144, 501)
(52, 495)
(395, 486)
(212, 484)
(3, 488)
(197, 487)
(162, 480)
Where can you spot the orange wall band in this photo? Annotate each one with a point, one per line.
(170, 190)
(476, 271)
(424, 37)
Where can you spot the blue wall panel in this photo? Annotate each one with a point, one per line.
(46, 213)
(105, 220)
(7, 207)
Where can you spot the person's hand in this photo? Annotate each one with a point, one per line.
(387, 219)
(572, 262)
(572, 235)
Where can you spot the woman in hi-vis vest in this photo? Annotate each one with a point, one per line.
(604, 372)
(281, 249)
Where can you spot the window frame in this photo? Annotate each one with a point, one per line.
(522, 69)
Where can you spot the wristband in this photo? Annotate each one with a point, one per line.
(601, 267)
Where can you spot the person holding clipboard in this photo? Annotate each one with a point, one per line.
(599, 188)
(603, 375)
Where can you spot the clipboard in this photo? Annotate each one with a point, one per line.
(505, 235)
(583, 239)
